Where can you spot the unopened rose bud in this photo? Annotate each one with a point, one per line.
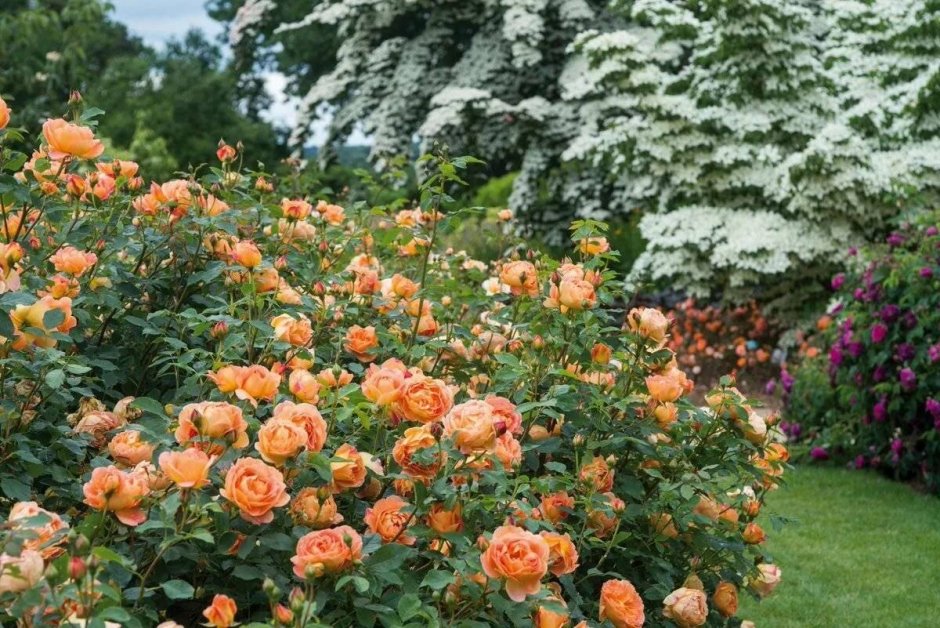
(219, 330)
(280, 263)
(693, 582)
(437, 429)
(323, 247)
(77, 568)
(225, 153)
(284, 615)
(578, 440)
(297, 599)
(270, 589)
(75, 185)
(75, 97)
(600, 353)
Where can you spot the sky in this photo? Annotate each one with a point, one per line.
(156, 21)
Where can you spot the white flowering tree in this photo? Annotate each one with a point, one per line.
(759, 138)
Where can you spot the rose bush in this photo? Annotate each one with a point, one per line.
(873, 400)
(225, 400)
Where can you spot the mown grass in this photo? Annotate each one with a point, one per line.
(864, 552)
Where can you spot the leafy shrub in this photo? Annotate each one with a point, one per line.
(214, 395)
(879, 407)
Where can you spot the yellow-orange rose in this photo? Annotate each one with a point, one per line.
(256, 488)
(120, 492)
(767, 578)
(70, 260)
(207, 421)
(423, 399)
(621, 605)
(279, 440)
(296, 331)
(414, 440)
(327, 551)
(445, 521)
(128, 448)
(521, 277)
(5, 112)
(188, 468)
(563, 556)
(18, 573)
(649, 323)
(387, 519)
(349, 471)
(725, 599)
(556, 507)
(599, 474)
(471, 427)
(315, 508)
(383, 386)
(518, 558)
(47, 529)
(307, 417)
(70, 140)
(304, 386)
(686, 607)
(360, 341)
(221, 613)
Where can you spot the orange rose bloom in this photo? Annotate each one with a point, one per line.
(546, 618)
(598, 473)
(753, 534)
(359, 342)
(555, 507)
(70, 140)
(257, 382)
(4, 114)
(423, 399)
(315, 508)
(519, 558)
(307, 417)
(70, 260)
(576, 294)
(246, 254)
(594, 246)
(508, 451)
(280, 440)
(563, 556)
(18, 573)
(128, 448)
(521, 277)
(47, 536)
(296, 209)
(188, 468)
(382, 386)
(328, 379)
(621, 605)
(98, 424)
(648, 322)
(505, 411)
(767, 578)
(471, 427)
(296, 331)
(687, 607)
(414, 440)
(445, 521)
(212, 421)
(350, 471)
(665, 388)
(387, 520)
(25, 316)
(120, 492)
(725, 599)
(304, 386)
(604, 520)
(327, 551)
(256, 488)
(221, 613)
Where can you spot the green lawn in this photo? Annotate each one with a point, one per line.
(863, 552)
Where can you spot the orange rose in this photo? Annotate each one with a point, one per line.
(519, 558)
(70, 140)
(128, 448)
(666, 414)
(604, 520)
(279, 440)
(221, 613)
(47, 529)
(98, 424)
(120, 492)
(649, 323)
(725, 599)
(246, 254)
(555, 507)
(471, 426)
(598, 473)
(304, 386)
(666, 387)
(296, 209)
(767, 578)
(445, 521)
(360, 340)
(18, 573)
(521, 277)
(414, 440)
(508, 451)
(350, 471)
(547, 618)
(70, 260)
(24, 317)
(383, 386)
(256, 488)
(753, 534)
(188, 468)
(687, 607)
(315, 508)
(257, 382)
(576, 294)
(386, 519)
(118, 168)
(593, 246)
(328, 378)
(296, 331)
(4, 114)
(307, 417)
(621, 605)
(327, 551)
(423, 399)
(505, 411)
(563, 557)
(210, 421)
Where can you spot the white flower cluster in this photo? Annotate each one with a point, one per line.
(758, 137)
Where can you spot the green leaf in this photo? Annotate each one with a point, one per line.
(408, 606)
(178, 589)
(437, 579)
(149, 405)
(55, 378)
(15, 489)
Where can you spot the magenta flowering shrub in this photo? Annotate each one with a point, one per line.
(882, 406)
